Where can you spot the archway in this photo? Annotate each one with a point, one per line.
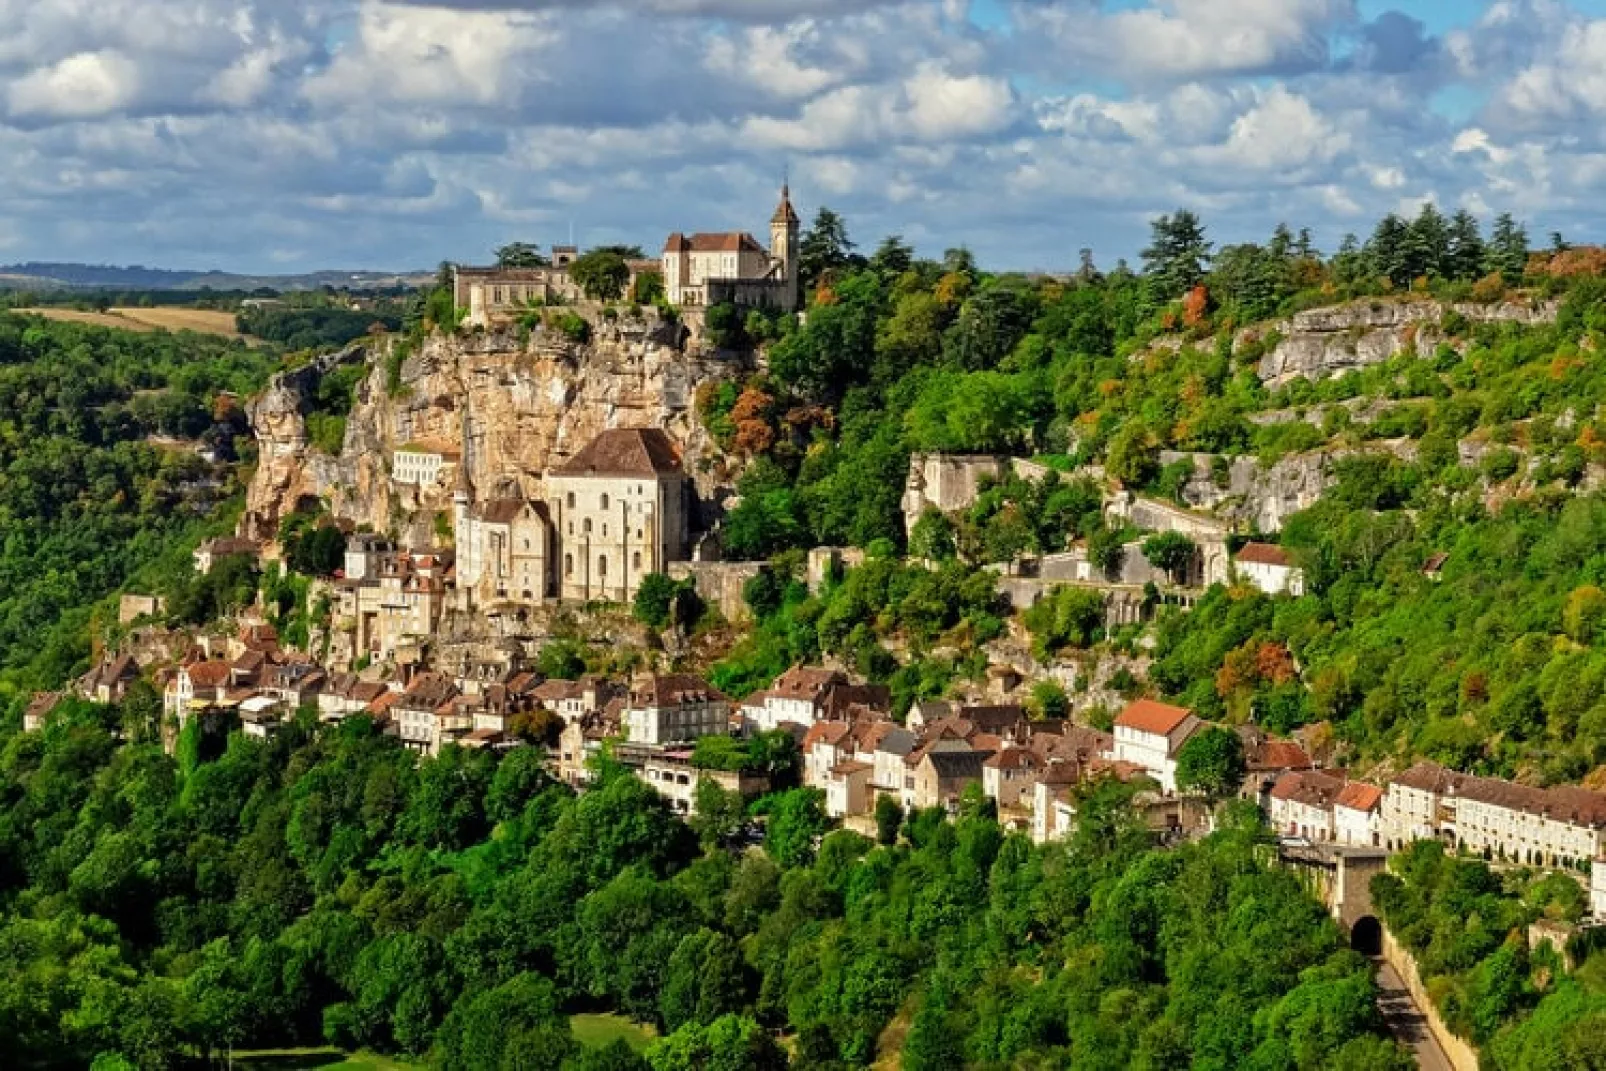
(1366, 936)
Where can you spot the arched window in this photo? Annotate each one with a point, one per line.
(636, 562)
(602, 567)
(604, 501)
(568, 565)
(605, 531)
(587, 526)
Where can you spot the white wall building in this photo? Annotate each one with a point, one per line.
(1301, 805)
(420, 464)
(1498, 819)
(675, 709)
(1149, 734)
(1269, 568)
(1357, 815)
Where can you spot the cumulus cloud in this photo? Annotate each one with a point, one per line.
(80, 86)
(396, 132)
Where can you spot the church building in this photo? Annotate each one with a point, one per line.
(711, 269)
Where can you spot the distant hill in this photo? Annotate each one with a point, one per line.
(47, 276)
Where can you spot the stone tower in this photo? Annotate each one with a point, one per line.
(784, 227)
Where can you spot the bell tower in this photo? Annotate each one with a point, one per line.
(784, 227)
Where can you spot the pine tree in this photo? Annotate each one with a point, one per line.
(1467, 251)
(1508, 248)
(1349, 263)
(1177, 256)
(1385, 254)
(1427, 245)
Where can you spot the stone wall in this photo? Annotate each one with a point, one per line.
(1463, 1057)
(951, 482)
(720, 583)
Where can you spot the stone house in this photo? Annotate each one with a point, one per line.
(942, 777)
(346, 694)
(825, 745)
(847, 791)
(1357, 813)
(1301, 805)
(804, 695)
(671, 772)
(297, 684)
(365, 551)
(710, 269)
(39, 709)
(211, 552)
(108, 682)
(132, 607)
(193, 685)
(675, 709)
(1269, 568)
(582, 740)
(1010, 776)
(417, 712)
(619, 511)
(1265, 760)
(1149, 734)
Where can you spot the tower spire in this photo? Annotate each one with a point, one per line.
(464, 491)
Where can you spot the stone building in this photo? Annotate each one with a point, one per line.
(674, 709)
(1493, 818)
(712, 269)
(619, 512)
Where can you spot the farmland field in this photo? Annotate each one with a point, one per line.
(204, 321)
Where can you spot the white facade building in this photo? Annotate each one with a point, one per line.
(420, 464)
(1269, 568)
(675, 709)
(1150, 734)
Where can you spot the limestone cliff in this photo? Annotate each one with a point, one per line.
(1319, 343)
(516, 405)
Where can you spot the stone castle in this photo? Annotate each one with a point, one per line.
(698, 270)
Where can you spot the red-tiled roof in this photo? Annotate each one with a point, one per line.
(806, 682)
(624, 452)
(208, 674)
(723, 242)
(1311, 788)
(1148, 716)
(1264, 554)
(1359, 796)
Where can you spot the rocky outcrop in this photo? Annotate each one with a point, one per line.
(517, 405)
(289, 471)
(1320, 343)
(1251, 495)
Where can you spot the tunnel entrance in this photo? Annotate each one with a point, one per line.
(1366, 936)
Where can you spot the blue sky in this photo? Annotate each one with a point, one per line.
(285, 135)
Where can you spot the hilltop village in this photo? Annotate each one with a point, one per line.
(462, 544)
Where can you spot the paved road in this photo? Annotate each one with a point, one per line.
(1405, 1020)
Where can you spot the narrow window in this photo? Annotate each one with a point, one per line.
(602, 566)
(604, 501)
(568, 565)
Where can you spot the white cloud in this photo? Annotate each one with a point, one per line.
(1182, 39)
(81, 86)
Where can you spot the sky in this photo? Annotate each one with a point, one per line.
(291, 135)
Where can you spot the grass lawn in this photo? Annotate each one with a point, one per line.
(595, 1031)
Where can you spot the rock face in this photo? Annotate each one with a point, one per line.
(1320, 343)
(1248, 494)
(517, 407)
(288, 470)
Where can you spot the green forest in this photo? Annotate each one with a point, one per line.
(330, 886)
(101, 484)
